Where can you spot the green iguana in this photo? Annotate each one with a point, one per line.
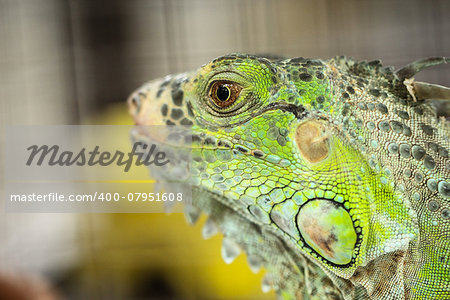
(332, 174)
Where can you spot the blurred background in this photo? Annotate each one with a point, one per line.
(76, 61)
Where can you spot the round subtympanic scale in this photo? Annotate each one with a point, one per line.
(328, 228)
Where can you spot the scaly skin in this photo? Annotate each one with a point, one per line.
(326, 172)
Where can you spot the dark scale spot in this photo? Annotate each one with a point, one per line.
(418, 110)
(186, 121)
(165, 83)
(160, 91)
(429, 162)
(284, 131)
(281, 140)
(418, 177)
(444, 188)
(177, 96)
(433, 205)
(224, 143)
(432, 185)
(350, 90)
(162, 87)
(371, 106)
(306, 64)
(374, 92)
(418, 152)
(258, 153)
(274, 79)
(443, 152)
(393, 148)
(427, 129)
(374, 63)
(345, 95)
(362, 106)
(168, 122)
(320, 99)
(241, 149)
(298, 60)
(315, 62)
(407, 173)
(164, 110)
(407, 130)
(382, 108)
(397, 126)
(232, 57)
(273, 133)
(195, 139)
(345, 111)
(302, 70)
(210, 141)
(176, 114)
(189, 109)
(445, 213)
(320, 75)
(405, 150)
(384, 126)
(305, 77)
(402, 114)
(433, 146)
(176, 84)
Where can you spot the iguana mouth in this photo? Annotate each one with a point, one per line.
(171, 142)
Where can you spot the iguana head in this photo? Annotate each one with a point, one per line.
(274, 141)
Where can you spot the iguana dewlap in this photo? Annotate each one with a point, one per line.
(332, 174)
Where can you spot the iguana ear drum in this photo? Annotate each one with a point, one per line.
(328, 229)
(312, 141)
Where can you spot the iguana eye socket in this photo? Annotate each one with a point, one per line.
(224, 93)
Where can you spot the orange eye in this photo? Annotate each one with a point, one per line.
(224, 93)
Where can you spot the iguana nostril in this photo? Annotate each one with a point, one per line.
(134, 103)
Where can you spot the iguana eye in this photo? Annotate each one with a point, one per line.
(224, 93)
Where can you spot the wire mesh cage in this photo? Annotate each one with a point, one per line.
(75, 62)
